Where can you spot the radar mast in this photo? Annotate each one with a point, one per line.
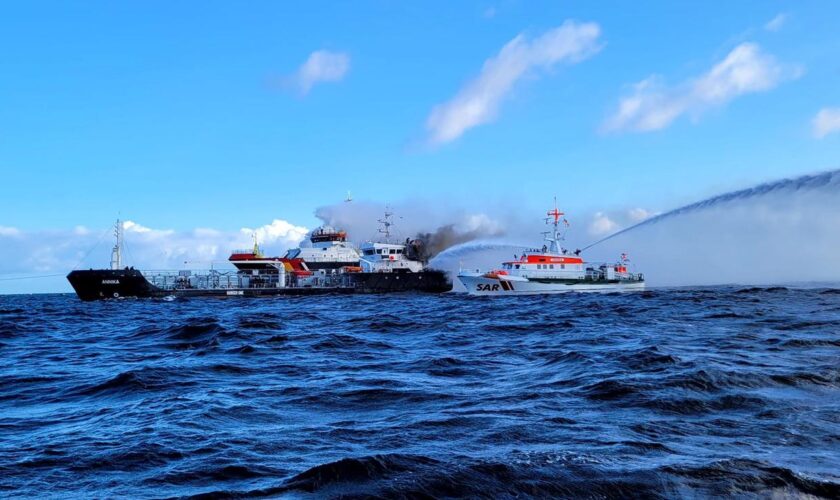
(386, 224)
(556, 237)
(116, 252)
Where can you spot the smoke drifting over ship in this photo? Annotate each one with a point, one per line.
(448, 236)
(428, 232)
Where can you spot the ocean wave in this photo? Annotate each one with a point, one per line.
(194, 333)
(219, 474)
(9, 329)
(141, 380)
(549, 475)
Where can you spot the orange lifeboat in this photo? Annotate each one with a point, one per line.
(494, 274)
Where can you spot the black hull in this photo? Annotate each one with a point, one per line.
(100, 284)
(429, 281)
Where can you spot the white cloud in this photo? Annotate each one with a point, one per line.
(478, 101)
(639, 214)
(205, 232)
(9, 231)
(480, 222)
(776, 23)
(607, 222)
(653, 105)
(602, 225)
(826, 121)
(133, 227)
(321, 66)
(278, 230)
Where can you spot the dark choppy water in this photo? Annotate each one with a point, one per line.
(665, 393)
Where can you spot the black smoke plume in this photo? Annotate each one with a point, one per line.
(453, 226)
(428, 245)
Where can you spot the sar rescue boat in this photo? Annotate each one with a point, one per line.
(552, 269)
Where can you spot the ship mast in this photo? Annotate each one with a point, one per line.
(556, 237)
(386, 225)
(116, 252)
(256, 246)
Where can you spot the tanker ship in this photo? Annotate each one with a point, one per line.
(330, 265)
(552, 269)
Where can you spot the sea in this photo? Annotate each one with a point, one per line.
(680, 392)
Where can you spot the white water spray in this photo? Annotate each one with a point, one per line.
(786, 231)
(478, 254)
(828, 180)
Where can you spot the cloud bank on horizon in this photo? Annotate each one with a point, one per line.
(29, 252)
(479, 100)
(654, 105)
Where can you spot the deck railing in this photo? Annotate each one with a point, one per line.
(211, 280)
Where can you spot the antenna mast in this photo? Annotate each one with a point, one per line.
(556, 237)
(386, 225)
(256, 245)
(116, 252)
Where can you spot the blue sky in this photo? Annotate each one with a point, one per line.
(184, 115)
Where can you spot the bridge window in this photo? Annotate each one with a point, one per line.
(517, 266)
(551, 266)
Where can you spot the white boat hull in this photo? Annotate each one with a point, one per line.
(482, 285)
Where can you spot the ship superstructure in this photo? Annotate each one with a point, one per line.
(385, 256)
(250, 260)
(552, 269)
(330, 250)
